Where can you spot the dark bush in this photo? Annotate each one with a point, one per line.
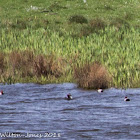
(119, 23)
(19, 24)
(78, 19)
(93, 27)
(97, 24)
(86, 31)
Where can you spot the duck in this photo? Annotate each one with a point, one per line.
(69, 96)
(100, 90)
(1, 93)
(126, 99)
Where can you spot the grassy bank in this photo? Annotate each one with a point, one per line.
(48, 42)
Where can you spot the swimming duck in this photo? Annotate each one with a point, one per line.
(100, 90)
(69, 97)
(126, 99)
(1, 93)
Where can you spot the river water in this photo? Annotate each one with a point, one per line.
(33, 111)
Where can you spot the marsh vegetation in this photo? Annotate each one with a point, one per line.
(47, 42)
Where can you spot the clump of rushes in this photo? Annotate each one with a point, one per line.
(46, 66)
(97, 24)
(22, 62)
(27, 64)
(93, 27)
(2, 63)
(20, 24)
(92, 76)
(119, 23)
(78, 19)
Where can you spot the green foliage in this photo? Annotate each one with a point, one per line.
(111, 37)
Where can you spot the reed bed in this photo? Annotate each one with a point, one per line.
(117, 50)
(48, 41)
(92, 76)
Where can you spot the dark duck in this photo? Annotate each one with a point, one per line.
(126, 98)
(69, 96)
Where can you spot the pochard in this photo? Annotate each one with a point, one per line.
(100, 90)
(69, 96)
(126, 99)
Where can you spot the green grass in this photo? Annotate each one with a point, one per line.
(60, 11)
(110, 36)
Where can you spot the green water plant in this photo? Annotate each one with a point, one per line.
(41, 45)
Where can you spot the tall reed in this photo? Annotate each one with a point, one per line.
(117, 50)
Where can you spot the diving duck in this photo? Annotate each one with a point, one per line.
(100, 90)
(69, 96)
(126, 99)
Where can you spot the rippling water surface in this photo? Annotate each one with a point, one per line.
(32, 111)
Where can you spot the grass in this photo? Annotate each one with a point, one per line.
(44, 41)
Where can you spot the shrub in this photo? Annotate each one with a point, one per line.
(92, 76)
(93, 27)
(97, 24)
(119, 23)
(78, 19)
(85, 31)
(19, 24)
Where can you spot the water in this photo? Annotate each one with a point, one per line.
(33, 111)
